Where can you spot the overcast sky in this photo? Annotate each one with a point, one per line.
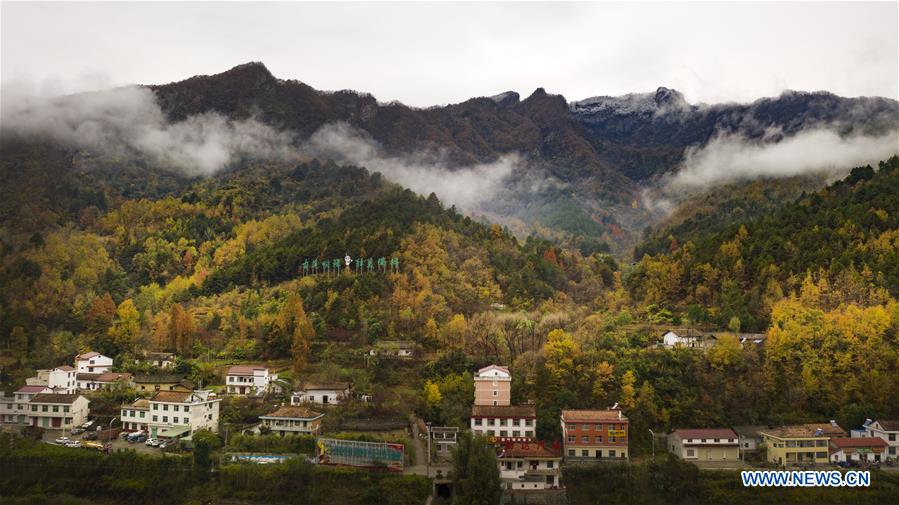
(434, 53)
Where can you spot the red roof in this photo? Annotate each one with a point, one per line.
(66, 368)
(113, 376)
(31, 389)
(529, 450)
(87, 355)
(845, 442)
(706, 433)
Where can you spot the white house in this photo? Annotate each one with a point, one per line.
(95, 381)
(718, 444)
(512, 423)
(333, 393)
(136, 417)
(672, 339)
(857, 449)
(57, 411)
(529, 466)
(750, 437)
(493, 386)
(293, 420)
(249, 380)
(93, 362)
(888, 430)
(60, 379)
(174, 415)
(14, 409)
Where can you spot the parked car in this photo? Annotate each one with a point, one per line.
(92, 435)
(152, 442)
(62, 440)
(97, 446)
(73, 443)
(137, 437)
(87, 425)
(162, 445)
(77, 431)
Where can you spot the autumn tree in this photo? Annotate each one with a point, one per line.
(125, 329)
(181, 329)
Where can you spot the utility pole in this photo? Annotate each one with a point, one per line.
(428, 468)
(653, 435)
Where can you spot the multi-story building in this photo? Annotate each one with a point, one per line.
(136, 417)
(332, 393)
(595, 435)
(802, 444)
(93, 362)
(162, 382)
(174, 414)
(249, 380)
(857, 449)
(493, 386)
(504, 423)
(888, 430)
(529, 466)
(750, 439)
(293, 420)
(57, 411)
(60, 379)
(14, 409)
(719, 444)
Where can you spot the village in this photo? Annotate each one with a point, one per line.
(169, 409)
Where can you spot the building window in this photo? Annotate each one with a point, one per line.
(611, 453)
(165, 419)
(585, 439)
(477, 421)
(571, 438)
(165, 407)
(821, 455)
(892, 437)
(571, 452)
(155, 418)
(187, 408)
(598, 440)
(585, 453)
(690, 453)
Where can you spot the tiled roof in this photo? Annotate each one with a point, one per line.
(592, 416)
(503, 411)
(806, 431)
(54, 398)
(491, 367)
(706, 433)
(66, 368)
(889, 424)
(31, 389)
(113, 376)
(171, 397)
(87, 355)
(750, 430)
(141, 403)
(87, 376)
(529, 450)
(159, 356)
(244, 369)
(328, 386)
(293, 412)
(844, 442)
(158, 379)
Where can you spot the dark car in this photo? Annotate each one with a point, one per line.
(91, 435)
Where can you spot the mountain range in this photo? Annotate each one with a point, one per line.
(583, 168)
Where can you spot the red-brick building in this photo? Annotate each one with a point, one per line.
(594, 435)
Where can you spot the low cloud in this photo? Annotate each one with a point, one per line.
(730, 158)
(468, 187)
(127, 121)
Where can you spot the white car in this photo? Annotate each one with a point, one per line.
(73, 443)
(62, 440)
(153, 442)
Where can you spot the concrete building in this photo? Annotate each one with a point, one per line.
(136, 417)
(293, 420)
(720, 444)
(93, 362)
(175, 415)
(332, 393)
(493, 386)
(529, 466)
(888, 430)
(249, 380)
(801, 444)
(14, 409)
(594, 435)
(444, 439)
(858, 449)
(61, 379)
(96, 381)
(504, 423)
(57, 411)
(750, 438)
(162, 382)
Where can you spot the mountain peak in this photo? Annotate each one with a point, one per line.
(252, 69)
(669, 97)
